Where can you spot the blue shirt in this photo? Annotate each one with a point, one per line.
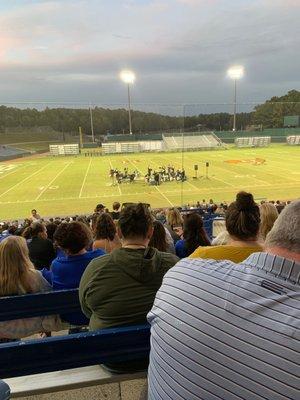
(180, 249)
(66, 273)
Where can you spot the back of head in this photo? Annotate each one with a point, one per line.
(33, 230)
(73, 237)
(159, 237)
(14, 266)
(105, 227)
(242, 217)
(174, 217)
(285, 233)
(116, 206)
(135, 221)
(268, 215)
(194, 233)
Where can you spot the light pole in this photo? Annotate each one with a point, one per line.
(92, 125)
(128, 77)
(236, 72)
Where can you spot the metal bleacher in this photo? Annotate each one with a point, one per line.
(187, 142)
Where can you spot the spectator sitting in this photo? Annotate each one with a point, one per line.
(221, 239)
(66, 272)
(221, 330)
(18, 276)
(41, 250)
(242, 222)
(174, 224)
(194, 236)
(116, 210)
(119, 288)
(159, 237)
(106, 236)
(268, 215)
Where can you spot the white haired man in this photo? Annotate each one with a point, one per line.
(221, 330)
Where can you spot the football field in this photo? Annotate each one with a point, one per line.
(74, 185)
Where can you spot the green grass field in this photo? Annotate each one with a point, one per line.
(72, 185)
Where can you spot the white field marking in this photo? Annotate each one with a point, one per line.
(111, 167)
(25, 179)
(50, 183)
(163, 195)
(207, 189)
(84, 179)
(12, 172)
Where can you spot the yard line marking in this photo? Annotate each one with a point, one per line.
(84, 179)
(111, 167)
(163, 195)
(12, 172)
(50, 183)
(25, 179)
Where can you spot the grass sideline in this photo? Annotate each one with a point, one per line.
(74, 185)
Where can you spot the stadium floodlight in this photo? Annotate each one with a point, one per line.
(128, 77)
(235, 72)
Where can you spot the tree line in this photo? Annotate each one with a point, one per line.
(269, 114)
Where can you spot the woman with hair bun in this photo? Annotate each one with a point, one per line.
(242, 221)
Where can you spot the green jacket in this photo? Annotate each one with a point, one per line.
(119, 288)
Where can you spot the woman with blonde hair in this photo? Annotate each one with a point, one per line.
(268, 215)
(174, 223)
(18, 276)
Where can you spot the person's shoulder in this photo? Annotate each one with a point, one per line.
(168, 258)
(202, 251)
(95, 253)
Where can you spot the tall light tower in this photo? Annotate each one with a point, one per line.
(128, 77)
(236, 72)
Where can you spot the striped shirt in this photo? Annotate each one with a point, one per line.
(227, 331)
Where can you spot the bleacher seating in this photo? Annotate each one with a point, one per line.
(256, 141)
(194, 142)
(293, 140)
(9, 153)
(78, 354)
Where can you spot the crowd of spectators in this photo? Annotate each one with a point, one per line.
(124, 259)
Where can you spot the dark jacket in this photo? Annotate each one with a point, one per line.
(119, 288)
(41, 252)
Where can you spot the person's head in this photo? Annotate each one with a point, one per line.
(194, 233)
(99, 208)
(105, 227)
(135, 223)
(268, 215)
(73, 238)
(116, 206)
(174, 217)
(284, 238)
(35, 230)
(159, 237)
(33, 212)
(51, 228)
(242, 218)
(15, 266)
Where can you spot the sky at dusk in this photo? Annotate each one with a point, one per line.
(72, 51)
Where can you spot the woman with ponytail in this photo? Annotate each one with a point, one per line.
(242, 221)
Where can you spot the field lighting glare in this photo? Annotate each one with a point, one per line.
(127, 76)
(236, 72)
